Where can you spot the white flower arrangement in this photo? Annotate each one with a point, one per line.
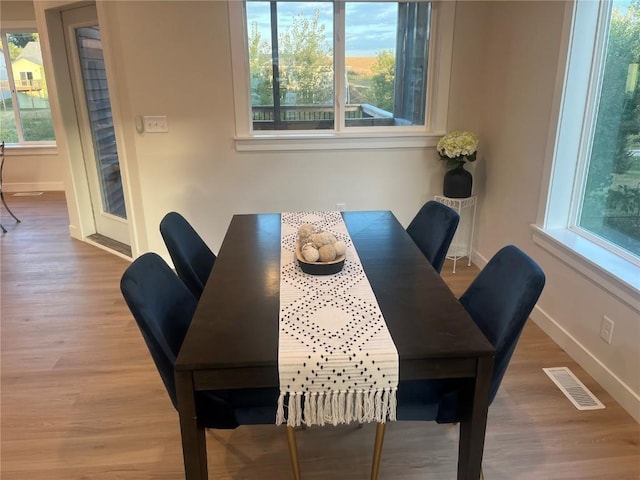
(458, 147)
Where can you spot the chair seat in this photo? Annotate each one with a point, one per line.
(265, 415)
(432, 230)
(227, 409)
(419, 399)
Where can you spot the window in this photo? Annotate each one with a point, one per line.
(25, 114)
(609, 199)
(291, 65)
(592, 214)
(340, 67)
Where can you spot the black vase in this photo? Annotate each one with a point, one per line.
(457, 182)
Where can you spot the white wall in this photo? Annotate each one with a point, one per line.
(516, 65)
(17, 11)
(29, 169)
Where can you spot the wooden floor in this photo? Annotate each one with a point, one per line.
(81, 398)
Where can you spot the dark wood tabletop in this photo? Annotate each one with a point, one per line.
(236, 323)
(233, 339)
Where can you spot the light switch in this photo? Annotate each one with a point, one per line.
(156, 124)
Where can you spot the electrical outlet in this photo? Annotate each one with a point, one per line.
(606, 330)
(341, 207)
(156, 124)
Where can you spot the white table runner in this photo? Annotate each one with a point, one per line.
(337, 361)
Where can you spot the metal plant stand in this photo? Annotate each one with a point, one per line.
(463, 239)
(4, 230)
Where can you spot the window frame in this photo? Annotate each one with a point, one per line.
(42, 146)
(341, 137)
(594, 91)
(577, 94)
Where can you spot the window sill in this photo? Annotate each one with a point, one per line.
(18, 150)
(618, 276)
(333, 141)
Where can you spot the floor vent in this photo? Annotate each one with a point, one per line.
(27, 194)
(573, 388)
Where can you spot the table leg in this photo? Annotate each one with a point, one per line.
(293, 452)
(194, 442)
(377, 450)
(473, 427)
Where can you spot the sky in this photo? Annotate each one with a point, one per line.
(371, 27)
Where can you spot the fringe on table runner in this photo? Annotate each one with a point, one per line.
(336, 407)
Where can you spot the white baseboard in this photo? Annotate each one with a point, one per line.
(75, 232)
(620, 391)
(33, 187)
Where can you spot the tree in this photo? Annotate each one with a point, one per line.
(306, 65)
(260, 68)
(619, 111)
(20, 40)
(383, 80)
(618, 120)
(304, 61)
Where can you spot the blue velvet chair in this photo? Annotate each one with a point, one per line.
(499, 300)
(192, 258)
(432, 229)
(163, 308)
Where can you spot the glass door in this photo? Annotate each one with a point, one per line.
(93, 108)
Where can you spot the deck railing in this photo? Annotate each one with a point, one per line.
(23, 85)
(302, 117)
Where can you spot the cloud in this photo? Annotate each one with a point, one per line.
(370, 27)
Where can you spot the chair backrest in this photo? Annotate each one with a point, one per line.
(500, 300)
(432, 229)
(191, 256)
(162, 307)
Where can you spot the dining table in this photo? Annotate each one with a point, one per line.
(232, 341)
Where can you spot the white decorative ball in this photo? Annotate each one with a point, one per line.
(340, 247)
(310, 253)
(320, 239)
(327, 253)
(304, 232)
(306, 229)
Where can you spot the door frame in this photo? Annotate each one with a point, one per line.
(107, 224)
(66, 122)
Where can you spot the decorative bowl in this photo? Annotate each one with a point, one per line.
(320, 268)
